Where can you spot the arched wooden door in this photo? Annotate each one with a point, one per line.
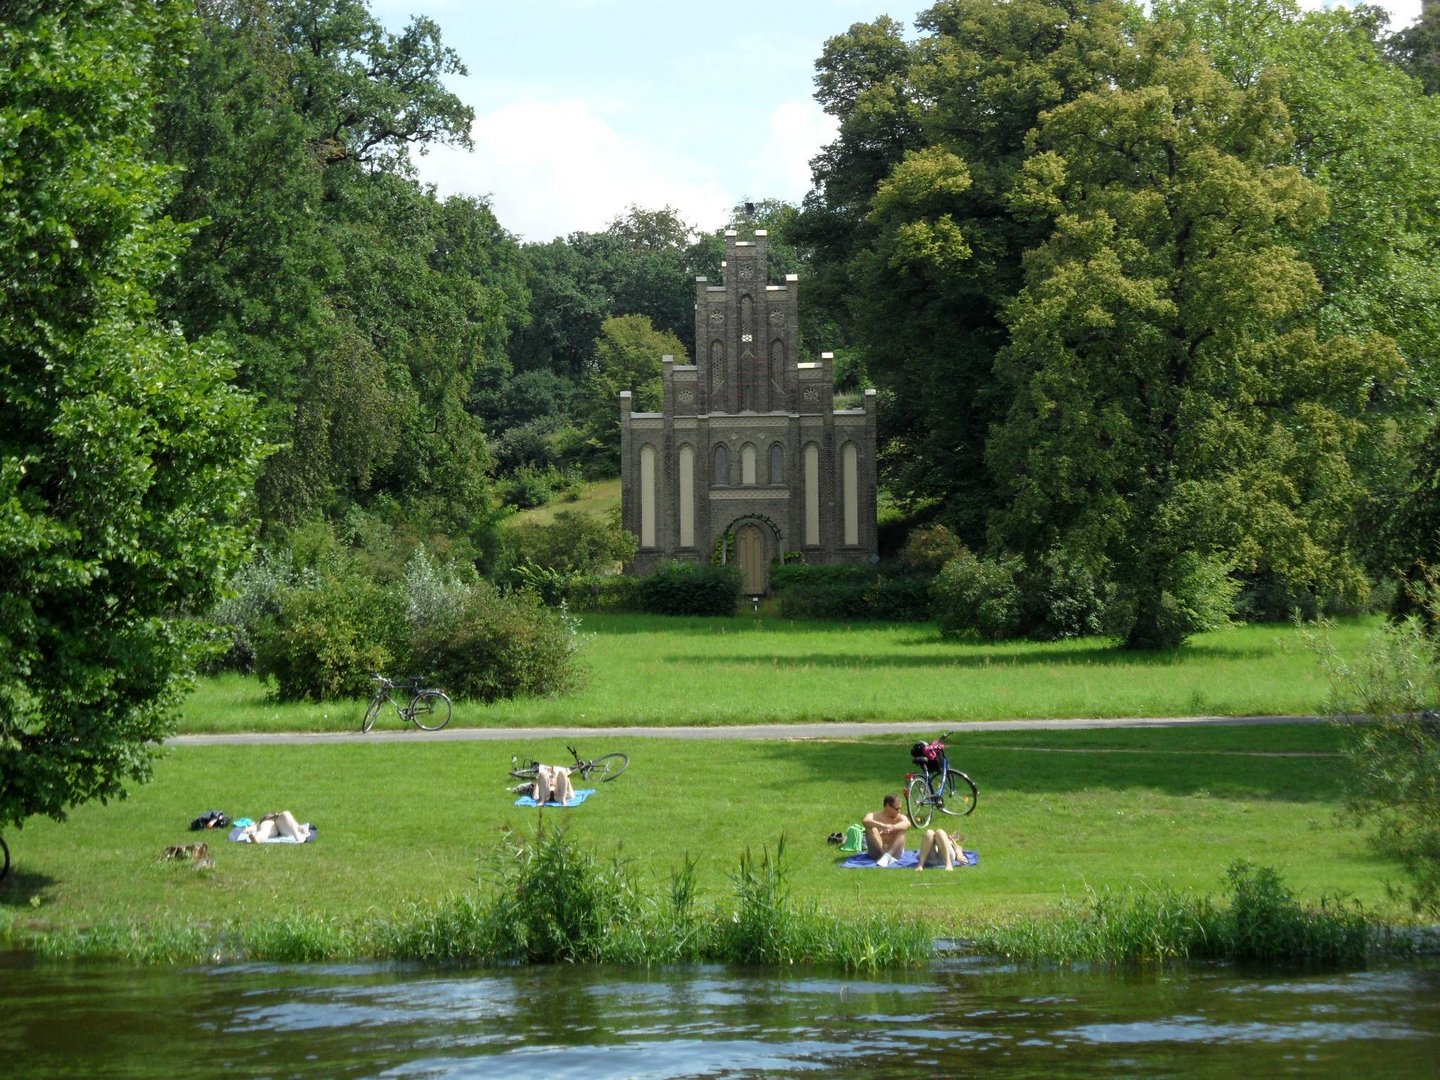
(750, 554)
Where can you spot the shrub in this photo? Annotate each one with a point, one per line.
(573, 543)
(498, 646)
(679, 588)
(330, 635)
(1393, 778)
(1060, 597)
(823, 592)
(929, 548)
(254, 599)
(977, 594)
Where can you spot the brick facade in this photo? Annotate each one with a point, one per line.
(748, 445)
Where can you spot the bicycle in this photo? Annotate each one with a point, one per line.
(428, 709)
(606, 767)
(939, 787)
(4, 860)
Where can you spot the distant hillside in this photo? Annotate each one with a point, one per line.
(596, 500)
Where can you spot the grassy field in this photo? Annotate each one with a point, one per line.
(1059, 813)
(651, 670)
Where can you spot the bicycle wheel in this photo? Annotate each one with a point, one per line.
(959, 794)
(606, 766)
(376, 704)
(4, 859)
(430, 709)
(918, 804)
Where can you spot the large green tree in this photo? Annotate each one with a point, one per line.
(366, 309)
(1174, 410)
(911, 233)
(125, 456)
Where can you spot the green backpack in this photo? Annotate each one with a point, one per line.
(854, 841)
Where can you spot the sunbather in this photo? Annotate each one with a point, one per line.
(552, 783)
(280, 823)
(885, 830)
(940, 848)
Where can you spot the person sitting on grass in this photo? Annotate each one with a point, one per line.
(885, 830)
(940, 848)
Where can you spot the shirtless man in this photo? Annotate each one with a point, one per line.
(885, 830)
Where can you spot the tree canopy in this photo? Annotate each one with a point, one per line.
(126, 456)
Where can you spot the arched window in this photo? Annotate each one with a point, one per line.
(777, 463)
(721, 471)
(812, 494)
(850, 478)
(747, 464)
(687, 495)
(647, 496)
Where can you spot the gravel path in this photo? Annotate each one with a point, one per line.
(734, 731)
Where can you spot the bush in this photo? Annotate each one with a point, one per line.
(1393, 778)
(851, 593)
(823, 592)
(330, 635)
(679, 588)
(977, 594)
(573, 544)
(1060, 597)
(254, 600)
(335, 630)
(929, 548)
(496, 646)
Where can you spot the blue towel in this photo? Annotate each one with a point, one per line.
(909, 860)
(580, 796)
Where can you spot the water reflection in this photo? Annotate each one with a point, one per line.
(959, 1018)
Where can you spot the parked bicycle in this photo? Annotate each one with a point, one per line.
(603, 768)
(4, 859)
(939, 787)
(428, 707)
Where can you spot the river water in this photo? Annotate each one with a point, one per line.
(958, 1018)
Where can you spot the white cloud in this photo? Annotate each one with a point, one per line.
(553, 168)
(797, 131)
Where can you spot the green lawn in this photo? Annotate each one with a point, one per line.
(657, 671)
(1058, 812)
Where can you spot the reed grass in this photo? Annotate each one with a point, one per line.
(750, 669)
(1263, 923)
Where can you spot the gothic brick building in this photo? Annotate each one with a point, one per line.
(749, 458)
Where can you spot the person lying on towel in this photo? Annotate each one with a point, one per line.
(552, 784)
(885, 830)
(280, 823)
(940, 848)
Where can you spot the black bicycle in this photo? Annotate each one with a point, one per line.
(603, 768)
(4, 860)
(428, 707)
(939, 787)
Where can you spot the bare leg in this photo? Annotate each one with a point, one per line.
(565, 790)
(926, 846)
(873, 847)
(286, 825)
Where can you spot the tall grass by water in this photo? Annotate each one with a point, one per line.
(552, 900)
(658, 671)
(548, 900)
(1263, 923)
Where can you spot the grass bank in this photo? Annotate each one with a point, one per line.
(408, 828)
(657, 671)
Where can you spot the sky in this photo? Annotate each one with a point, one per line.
(586, 107)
